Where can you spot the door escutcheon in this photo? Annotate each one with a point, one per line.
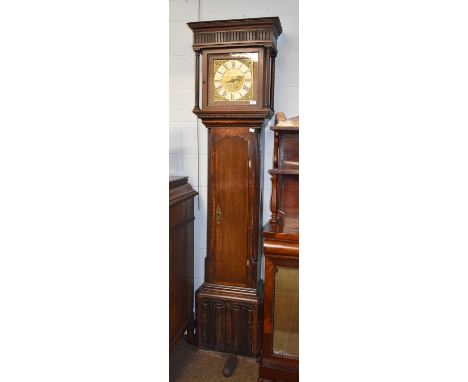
(218, 214)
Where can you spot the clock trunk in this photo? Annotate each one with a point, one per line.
(235, 204)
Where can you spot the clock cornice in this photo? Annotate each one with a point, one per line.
(262, 31)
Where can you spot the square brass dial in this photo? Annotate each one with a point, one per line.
(233, 80)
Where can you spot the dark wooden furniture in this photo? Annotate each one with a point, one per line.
(280, 353)
(237, 86)
(181, 220)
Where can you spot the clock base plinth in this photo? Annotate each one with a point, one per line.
(229, 319)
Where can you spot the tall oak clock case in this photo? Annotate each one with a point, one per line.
(235, 60)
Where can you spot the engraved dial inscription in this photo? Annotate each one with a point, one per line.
(233, 80)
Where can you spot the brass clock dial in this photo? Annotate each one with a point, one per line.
(233, 80)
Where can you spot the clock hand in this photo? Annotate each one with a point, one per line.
(234, 79)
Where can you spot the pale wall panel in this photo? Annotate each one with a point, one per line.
(229, 9)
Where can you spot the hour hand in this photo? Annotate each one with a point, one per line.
(234, 79)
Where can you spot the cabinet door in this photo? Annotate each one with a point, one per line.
(180, 269)
(285, 312)
(232, 171)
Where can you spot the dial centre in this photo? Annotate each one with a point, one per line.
(233, 80)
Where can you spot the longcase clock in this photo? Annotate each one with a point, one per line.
(234, 74)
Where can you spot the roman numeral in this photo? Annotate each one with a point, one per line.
(246, 88)
(232, 96)
(224, 93)
(225, 65)
(233, 64)
(218, 88)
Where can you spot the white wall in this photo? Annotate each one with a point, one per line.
(183, 123)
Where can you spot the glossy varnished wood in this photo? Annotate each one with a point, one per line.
(181, 220)
(281, 250)
(285, 172)
(281, 241)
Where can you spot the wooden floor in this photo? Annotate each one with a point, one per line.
(187, 364)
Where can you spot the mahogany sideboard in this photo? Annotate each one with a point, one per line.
(280, 353)
(181, 221)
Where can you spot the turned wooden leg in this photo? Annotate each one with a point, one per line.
(230, 365)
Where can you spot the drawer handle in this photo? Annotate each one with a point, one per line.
(218, 214)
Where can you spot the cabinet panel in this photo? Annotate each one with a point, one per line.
(230, 206)
(286, 312)
(288, 188)
(229, 321)
(289, 151)
(181, 221)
